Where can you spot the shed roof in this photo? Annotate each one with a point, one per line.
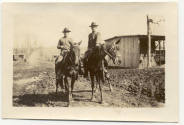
(155, 37)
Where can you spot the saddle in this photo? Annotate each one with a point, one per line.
(59, 65)
(92, 52)
(61, 58)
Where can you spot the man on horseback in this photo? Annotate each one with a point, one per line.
(67, 63)
(64, 44)
(94, 40)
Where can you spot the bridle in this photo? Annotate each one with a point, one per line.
(109, 52)
(72, 57)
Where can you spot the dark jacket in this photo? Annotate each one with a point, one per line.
(93, 40)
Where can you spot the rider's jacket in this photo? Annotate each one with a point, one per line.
(93, 40)
(64, 43)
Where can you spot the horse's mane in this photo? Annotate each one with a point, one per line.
(70, 58)
(96, 57)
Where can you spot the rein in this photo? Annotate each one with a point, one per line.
(108, 54)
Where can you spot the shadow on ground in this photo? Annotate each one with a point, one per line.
(81, 91)
(34, 99)
(82, 98)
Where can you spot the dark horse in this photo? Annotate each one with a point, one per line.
(95, 63)
(68, 67)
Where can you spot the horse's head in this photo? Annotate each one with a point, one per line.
(75, 49)
(112, 52)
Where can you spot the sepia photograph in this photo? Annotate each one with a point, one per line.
(89, 55)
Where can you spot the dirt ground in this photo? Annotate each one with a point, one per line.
(34, 85)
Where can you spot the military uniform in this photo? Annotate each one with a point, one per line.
(64, 45)
(93, 40)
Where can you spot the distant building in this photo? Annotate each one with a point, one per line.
(134, 48)
(18, 54)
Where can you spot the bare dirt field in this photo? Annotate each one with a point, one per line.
(34, 85)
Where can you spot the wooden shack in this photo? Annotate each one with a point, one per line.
(133, 49)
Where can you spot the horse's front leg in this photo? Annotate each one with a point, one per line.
(60, 82)
(56, 86)
(108, 81)
(96, 85)
(72, 85)
(100, 87)
(92, 84)
(67, 89)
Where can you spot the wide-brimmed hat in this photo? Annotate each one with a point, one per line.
(93, 24)
(66, 30)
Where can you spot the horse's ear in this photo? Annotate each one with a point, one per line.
(117, 41)
(79, 43)
(117, 44)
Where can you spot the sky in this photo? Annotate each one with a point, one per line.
(43, 23)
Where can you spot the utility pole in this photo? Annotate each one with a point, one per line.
(149, 42)
(159, 52)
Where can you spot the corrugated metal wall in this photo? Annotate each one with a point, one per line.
(129, 50)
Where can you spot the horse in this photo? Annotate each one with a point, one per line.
(68, 67)
(95, 64)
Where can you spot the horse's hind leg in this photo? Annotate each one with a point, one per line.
(99, 82)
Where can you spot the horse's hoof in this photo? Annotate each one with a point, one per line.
(101, 102)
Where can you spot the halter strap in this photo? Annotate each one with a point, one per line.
(108, 54)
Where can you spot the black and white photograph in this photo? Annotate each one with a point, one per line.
(89, 55)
